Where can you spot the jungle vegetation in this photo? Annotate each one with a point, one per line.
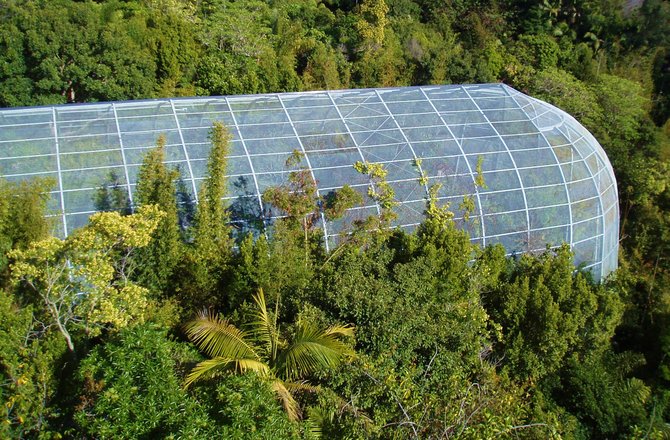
(158, 321)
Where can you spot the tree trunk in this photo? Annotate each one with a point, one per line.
(65, 333)
(60, 325)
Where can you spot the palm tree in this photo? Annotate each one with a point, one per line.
(262, 349)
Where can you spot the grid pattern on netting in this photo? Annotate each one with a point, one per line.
(547, 180)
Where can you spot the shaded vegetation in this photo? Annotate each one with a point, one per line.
(450, 340)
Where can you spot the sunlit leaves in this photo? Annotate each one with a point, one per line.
(284, 359)
(216, 337)
(79, 282)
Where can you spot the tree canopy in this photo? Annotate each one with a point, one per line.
(451, 340)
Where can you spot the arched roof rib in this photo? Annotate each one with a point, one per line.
(548, 180)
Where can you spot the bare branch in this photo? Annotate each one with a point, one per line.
(402, 408)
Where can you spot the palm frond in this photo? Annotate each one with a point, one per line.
(211, 367)
(340, 330)
(311, 349)
(301, 385)
(316, 419)
(288, 402)
(264, 327)
(218, 338)
(206, 370)
(260, 367)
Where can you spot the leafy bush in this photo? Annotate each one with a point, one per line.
(130, 389)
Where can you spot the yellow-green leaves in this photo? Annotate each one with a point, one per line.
(108, 229)
(120, 307)
(82, 281)
(379, 190)
(479, 176)
(423, 177)
(440, 214)
(27, 261)
(372, 21)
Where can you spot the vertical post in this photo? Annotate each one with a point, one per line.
(311, 171)
(353, 139)
(251, 165)
(467, 163)
(183, 145)
(516, 169)
(558, 163)
(123, 157)
(60, 174)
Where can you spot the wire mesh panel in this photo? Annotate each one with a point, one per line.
(546, 179)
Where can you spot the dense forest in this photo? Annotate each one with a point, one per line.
(157, 321)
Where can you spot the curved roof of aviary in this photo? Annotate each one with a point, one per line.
(547, 179)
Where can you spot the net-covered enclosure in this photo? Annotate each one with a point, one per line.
(547, 180)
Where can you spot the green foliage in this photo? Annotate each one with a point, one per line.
(323, 69)
(382, 67)
(185, 207)
(368, 289)
(616, 111)
(624, 109)
(434, 211)
(452, 341)
(379, 190)
(285, 362)
(383, 403)
(240, 56)
(112, 196)
(548, 314)
(78, 283)
(282, 267)
(373, 21)
(599, 391)
(568, 93)
(580, 60)
(29, 359)
(213, 216)
(661, 78)
(207, 259)
(298, 199)
(160, 257)
(468, 206)
(22, 210)
(422, 373)
(212, 232)
(337, 202)
(132, 49)
(15, 88)
(107, 59)
(304, 207)
(245, 407)
(479, 177)
(28, 371)
(540, 51)
(129, 388)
